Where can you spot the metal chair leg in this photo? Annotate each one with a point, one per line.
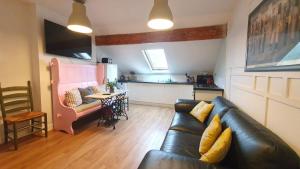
(15, 136)
(127, 102)
(46, 125)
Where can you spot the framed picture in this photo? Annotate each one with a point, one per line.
(273, 42)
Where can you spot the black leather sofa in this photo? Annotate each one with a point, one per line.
(253, 146)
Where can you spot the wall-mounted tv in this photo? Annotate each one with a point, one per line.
(61, 41)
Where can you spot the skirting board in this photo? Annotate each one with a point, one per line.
(151, 104)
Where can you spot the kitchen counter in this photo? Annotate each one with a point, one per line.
(157, 93)
(207, 93)
(196, 86)
(147, 92)
(207, 87)
(172, 83)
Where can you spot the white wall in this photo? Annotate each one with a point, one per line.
(15, 48)
(191, 57)
(272, 98)
(22, 54)
(42, 60)
(219, 73)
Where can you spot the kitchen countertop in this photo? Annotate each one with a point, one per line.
(172, 83)
(196, 87)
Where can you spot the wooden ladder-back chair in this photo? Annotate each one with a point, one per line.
(17, 107)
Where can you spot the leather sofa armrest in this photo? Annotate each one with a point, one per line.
(185, 105)
(156, 159)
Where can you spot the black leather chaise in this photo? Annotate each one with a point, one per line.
(253, 146)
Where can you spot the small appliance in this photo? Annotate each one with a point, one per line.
(205, 80)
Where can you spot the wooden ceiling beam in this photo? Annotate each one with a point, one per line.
(185, 34)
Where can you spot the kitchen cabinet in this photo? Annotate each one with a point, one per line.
(207, 95)
(158, 93)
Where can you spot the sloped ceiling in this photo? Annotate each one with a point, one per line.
(130, 16)
(183, 57)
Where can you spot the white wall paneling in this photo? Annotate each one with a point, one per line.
(273, 99)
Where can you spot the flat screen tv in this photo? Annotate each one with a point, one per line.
(63, 42)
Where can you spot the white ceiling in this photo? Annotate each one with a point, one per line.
(183, 57)
(130, 16)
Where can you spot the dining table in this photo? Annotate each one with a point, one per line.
(112, 106)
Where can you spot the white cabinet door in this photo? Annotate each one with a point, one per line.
(207, 95)
(159, 93)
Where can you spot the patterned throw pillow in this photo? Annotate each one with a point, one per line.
(73, 98)
(85, 92)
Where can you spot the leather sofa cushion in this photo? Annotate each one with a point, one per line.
(183, 121)
(255, 147)
(155, 159)
(187, 123)
(221, 106)
(182, 143)
(185, 105)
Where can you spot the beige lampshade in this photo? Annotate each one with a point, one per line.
(161, 16)
(78, 21)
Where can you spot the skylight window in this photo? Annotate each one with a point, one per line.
(156, 59)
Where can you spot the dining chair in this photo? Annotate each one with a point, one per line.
(17, 107)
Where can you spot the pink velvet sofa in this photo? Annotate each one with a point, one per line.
(68, 76)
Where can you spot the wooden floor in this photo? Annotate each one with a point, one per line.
(92, 147)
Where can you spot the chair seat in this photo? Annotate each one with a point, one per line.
(23, 116)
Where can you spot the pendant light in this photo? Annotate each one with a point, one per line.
(161, 16)
(78, 21)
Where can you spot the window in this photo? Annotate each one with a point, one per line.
(156, 59)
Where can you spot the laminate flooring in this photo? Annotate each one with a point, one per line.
(94, 147)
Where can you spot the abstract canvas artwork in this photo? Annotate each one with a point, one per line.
(274, 36)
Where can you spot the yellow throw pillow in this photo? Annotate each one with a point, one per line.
(195, 111)
(220, 148)
(210, 135)
(204, 111)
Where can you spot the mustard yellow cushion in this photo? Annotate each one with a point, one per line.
(210, 135)
(204, 111)
(219, 149)
(195, 111)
